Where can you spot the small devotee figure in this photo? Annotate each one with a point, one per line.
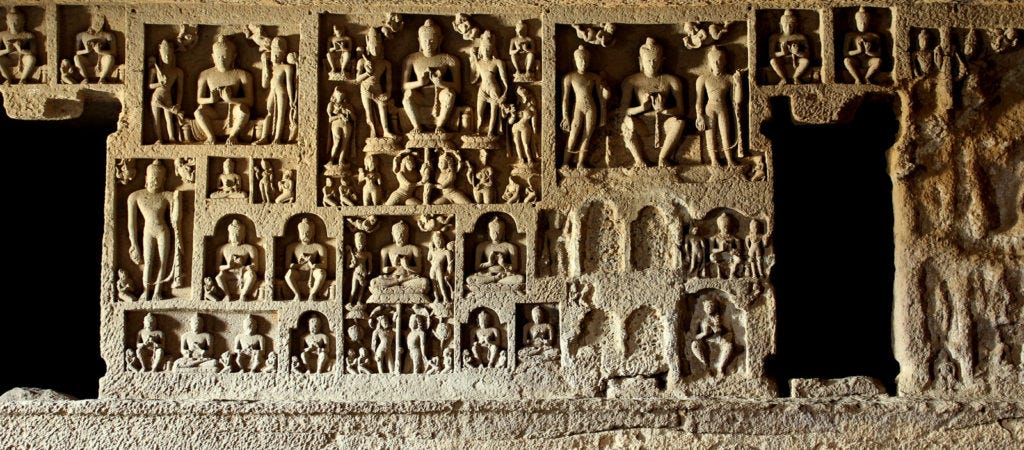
(383, 343)
(373, 75)
(441, 257)
(265, 174)
(339, 51)
(483, 184)
(125, 287)
(224, 84)
(330, 193)
(522, 51)
(360, 261)
(306, 263)
(370, 179)
(448, 166)
(149, 345)
(406, 173)
(286, 187)
(314, 347)
(96, 42)
(712, 339)
(717, 107)
(525, 122)
(279, 81)
(489, 71)
(555, 253)
(237, 264)
(754, 244)
(17, 50)
(416, 343)
(339, 115)
(589, 98)
(167, 82)
(862, 50)
(927, 59)
(789, 49)
(695, 249)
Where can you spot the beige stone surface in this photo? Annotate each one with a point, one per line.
(592, 219)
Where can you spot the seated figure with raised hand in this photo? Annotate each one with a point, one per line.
(224, 84)
(712, 339)
(17, 50)
(230, 183)
(485, 351)
(497, 261)
(430, 80)
(97, 40)
(314, 348)
(401, 266)
(656, 97)
(862, 50)
(149, 345)
(539, 336)
(790, 50)
(306, 264)
(250, 348)
(725, 249)
(196, 349)
(237, 270)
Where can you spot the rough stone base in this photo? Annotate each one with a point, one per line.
(536, 424)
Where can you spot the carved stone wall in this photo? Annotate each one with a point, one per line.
(519, 201)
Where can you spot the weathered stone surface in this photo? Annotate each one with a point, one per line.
(34, 395)
(835, 387)
(882, 423)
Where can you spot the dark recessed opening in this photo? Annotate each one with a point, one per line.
(54, 192)
(833, 238)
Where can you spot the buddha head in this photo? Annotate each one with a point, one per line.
(724, 223)
(400, 233)
(278, 48)
(249, 324)
(360, 240)
(862, 19)
(149, 322)
(521, 28)
(314, 324)
(223, 54)
(429, 38)
(787, 23)
(166, 51)
(582, 58)
(716, 60)
(537, 314)
(15, 21)
(97, 22)
(155, 176)
(196, 323)
(236, 232)
(307, 230)
(650, 58)
(496, 230)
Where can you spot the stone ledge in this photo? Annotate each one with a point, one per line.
(582, 423)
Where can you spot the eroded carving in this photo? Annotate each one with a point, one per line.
(18, 58)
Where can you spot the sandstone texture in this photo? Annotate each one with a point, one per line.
(530, 224)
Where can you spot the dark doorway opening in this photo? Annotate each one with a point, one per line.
(833, 239)
(54, 191)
